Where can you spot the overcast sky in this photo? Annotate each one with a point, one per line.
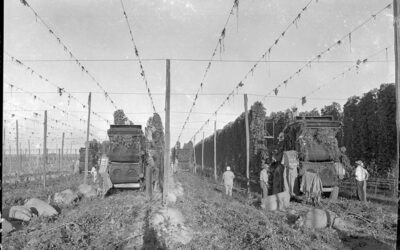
(185, 29)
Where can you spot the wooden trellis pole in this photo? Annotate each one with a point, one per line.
(194, 156)
(44, 148)
(38, 160)
(4, 144)
(59, 159)
(396, 15)
(29, 152)
(18, 156)
(62, 150)
(247, 144)
(215, 150)
(167, 132)
(87, 140)
(202, 155)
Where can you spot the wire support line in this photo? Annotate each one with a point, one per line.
(356, 67)
(318, 56)
(220, 44)
(162, 94)
(264, 56)
(66, 49)
(191, 60)
(60, 90)
(138, 57)
(44, 102)
(55, 127)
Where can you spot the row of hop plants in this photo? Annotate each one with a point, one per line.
(231, 144)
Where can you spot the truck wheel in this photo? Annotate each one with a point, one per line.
(334, 194)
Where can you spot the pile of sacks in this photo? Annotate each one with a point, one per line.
(33, 207)
(36, 207)
(318, 218)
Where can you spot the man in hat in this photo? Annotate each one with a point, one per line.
(228, 177)
(264, 178)
(362, 176)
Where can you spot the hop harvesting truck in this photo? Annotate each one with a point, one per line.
(125, 166)
(314, 140)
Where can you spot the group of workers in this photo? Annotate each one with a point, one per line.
(279, 185)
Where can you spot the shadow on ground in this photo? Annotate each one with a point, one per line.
(150, 239)
(362, 242)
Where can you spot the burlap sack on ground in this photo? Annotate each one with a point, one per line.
(42, 207)
(87, 190)
(318, 218)
(65, 197)
(20, 213)
(6, 226)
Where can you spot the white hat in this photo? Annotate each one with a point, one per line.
(228, 168)
(359, 163)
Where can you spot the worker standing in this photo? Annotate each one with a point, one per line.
(94, 173)
(362, 176)
(264, 179)
(291, 164)
(228, 177)
(278, 180)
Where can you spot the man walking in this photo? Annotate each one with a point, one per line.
(264, 179)
(362, 176)
(228, 177)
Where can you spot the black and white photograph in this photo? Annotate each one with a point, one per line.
(200, 124)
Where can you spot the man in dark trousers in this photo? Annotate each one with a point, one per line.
(362, 176)
(278, 184)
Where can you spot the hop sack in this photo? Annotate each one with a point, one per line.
(42, 207)
(20, 213)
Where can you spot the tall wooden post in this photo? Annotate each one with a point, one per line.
(45, 148)
(38, 161)
(87, 139)
(215, 150)
(194, 156)
(29, 151)
(59, 159)
(4, 145)
(167, 132)
(62, 150)
(18, 153)
(396, 15)
(10, 158)
(25, 160)
(202, 156)
(247, 144)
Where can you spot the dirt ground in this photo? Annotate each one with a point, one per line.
(118, 221)
(223, 223)
(121, 221)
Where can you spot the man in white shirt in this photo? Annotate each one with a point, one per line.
(362, 176)
(94, 173)
(264, 179)
(228, 177)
